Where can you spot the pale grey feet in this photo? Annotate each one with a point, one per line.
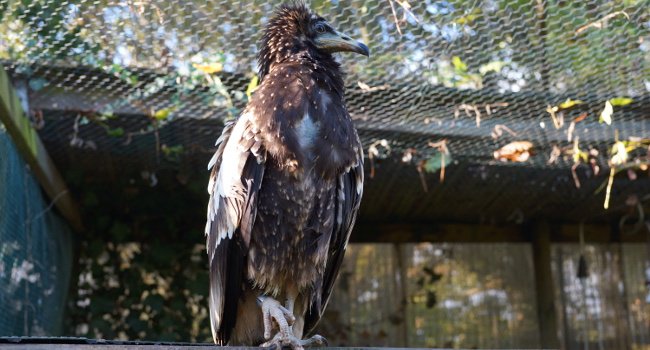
(272, 310)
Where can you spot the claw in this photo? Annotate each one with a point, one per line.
(280, 341)
(273, 310)
(316, 340)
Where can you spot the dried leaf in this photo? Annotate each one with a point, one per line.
(577, 153)
(594, 166)
(518, 151)
(163, 113)
(556, 152)
(499, 129)
(209, 68)
(619, 153)
(252, 85)
(601, 22)
(606, 114)
(576, 179)
(620, 101)
(610, 183)
(558, 118)
(408, 155)
(458, 64)
(423, 180)
(494, 66)
(581, 117)
(469, 18)
(569, 131)
(631, 174)
(569, 103)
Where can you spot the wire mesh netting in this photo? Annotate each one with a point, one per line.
(589, 305)
(35, 252)
(516, 105)
(483, 296)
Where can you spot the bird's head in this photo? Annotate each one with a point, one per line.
(295, 29)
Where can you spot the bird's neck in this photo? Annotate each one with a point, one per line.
(325, 67)
(321, 64)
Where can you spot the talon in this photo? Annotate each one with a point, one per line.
(316, 340)
(273, 310)
(284, 318)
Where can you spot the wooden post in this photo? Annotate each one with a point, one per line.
(402, 287)
(548, 331)
(33, 152)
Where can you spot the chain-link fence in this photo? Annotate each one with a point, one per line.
(552, 95)
(35, 252)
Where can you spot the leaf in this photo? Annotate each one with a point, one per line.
(459, 64)
(107, 113)
(155, 301)
(621, 101)
(172, 150)
(117, 132)
(606, 114)
(37, 84)
(163, 113)
(577, 153)
(436, 163)
(209, 68)
(581, 117)
(494, 66)
(101, 305)
(469, 18)
(569, 103)
(172, 153)
(517, 151)
(431, 300)
(252, 85)
(619, 153)
(115, 68)
(119, 231)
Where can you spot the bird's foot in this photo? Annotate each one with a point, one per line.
(315, 341)
(273, 310)
(280, 341)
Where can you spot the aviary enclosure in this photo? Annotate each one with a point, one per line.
(506, 142)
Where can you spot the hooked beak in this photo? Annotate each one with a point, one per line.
(338, 42)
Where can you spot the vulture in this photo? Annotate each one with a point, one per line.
(285, 187)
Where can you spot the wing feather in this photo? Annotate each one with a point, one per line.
(237, 171)
(349, 190)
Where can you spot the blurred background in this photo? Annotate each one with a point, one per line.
(507, 183)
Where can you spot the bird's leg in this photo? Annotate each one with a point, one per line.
(316, 340)
(280, 341)
(283, 316)
(273, 310)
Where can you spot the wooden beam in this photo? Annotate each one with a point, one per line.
(435, 232)
(33, 152)
(547, 318)
(117, 346)
(377, 232)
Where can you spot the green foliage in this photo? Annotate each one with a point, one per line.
(37, 84)
(252, 85)
(117, 132)
(142, 262)
(437, 162)
(620, 101)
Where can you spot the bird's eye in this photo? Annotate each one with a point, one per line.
(320, 28)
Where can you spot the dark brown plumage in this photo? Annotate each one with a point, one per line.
(285, 187)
